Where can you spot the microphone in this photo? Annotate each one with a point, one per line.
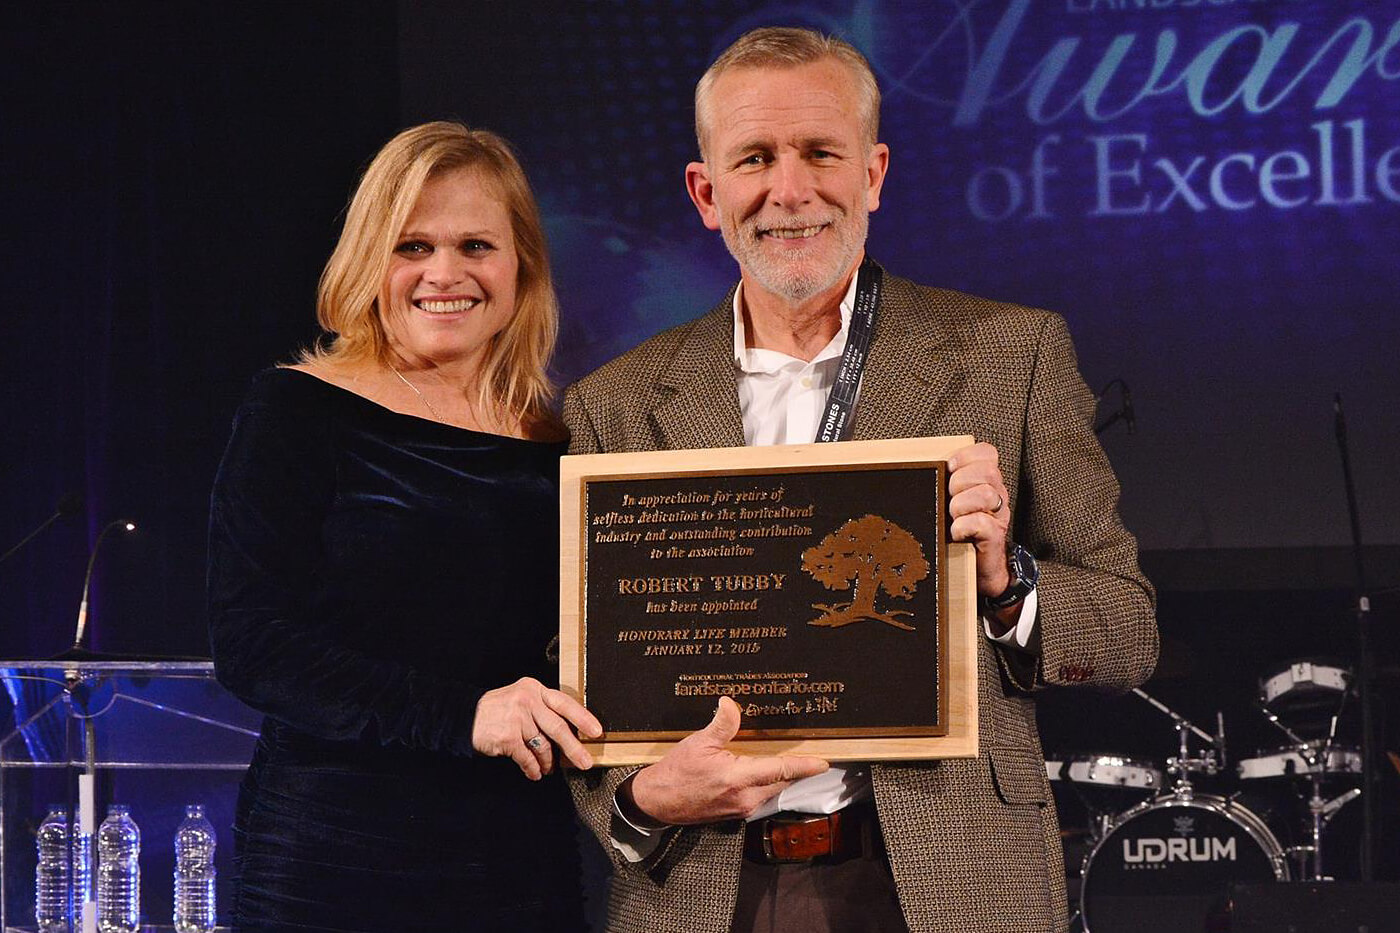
(70, 504)
(125, 525)
(1128, 416)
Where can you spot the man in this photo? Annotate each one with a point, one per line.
(787, 122)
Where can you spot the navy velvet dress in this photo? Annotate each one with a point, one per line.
(371, 574)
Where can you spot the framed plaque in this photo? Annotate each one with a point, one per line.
(814, 584)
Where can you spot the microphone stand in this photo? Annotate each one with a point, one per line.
(1124, 412)
(1365, 663)
(83, 907)
(77, 647)
(68, 505)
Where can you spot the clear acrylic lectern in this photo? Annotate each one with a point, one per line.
(88, 733)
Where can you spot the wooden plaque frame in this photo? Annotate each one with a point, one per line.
(958, 649)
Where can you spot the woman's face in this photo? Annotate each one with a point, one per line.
(452, 275)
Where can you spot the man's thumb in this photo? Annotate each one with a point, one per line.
(725, 725)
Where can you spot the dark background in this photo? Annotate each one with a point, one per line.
(173, 175)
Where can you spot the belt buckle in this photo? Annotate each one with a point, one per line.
(778, 858)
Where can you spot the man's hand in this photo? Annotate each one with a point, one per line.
(981, 511)
(701, 781)
(526, 720)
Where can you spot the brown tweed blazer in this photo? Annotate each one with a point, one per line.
(973, 843)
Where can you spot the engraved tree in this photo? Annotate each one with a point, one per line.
(872, 554)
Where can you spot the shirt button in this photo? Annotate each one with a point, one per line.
(806, 382)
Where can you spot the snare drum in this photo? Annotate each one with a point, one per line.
(1167, 865)
(1340, 761)
(1105, 771)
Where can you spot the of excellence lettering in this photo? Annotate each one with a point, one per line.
(1337, 165)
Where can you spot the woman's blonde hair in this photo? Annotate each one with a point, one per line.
(353, 288)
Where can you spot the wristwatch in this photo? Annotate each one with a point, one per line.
(1025, 574)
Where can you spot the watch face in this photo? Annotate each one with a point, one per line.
(1025, 573)
(1023, 567)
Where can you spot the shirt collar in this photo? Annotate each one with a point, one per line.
(750, 360)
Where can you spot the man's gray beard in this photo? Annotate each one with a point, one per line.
(782, 279)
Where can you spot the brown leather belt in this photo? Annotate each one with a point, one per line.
(801, 837)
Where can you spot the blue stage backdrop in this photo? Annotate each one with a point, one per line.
(1208, 190)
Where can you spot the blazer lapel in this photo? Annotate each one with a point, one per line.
(909, 370)
(907, 375)
(703, 410)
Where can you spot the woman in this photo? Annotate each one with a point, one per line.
(383, 571)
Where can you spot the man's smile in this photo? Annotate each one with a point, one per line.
(793, 233)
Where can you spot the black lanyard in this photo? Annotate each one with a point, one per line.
(838, 422)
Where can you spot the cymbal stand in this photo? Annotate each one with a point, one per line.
(1183, 765)
(1318, 759)
(1365, 663)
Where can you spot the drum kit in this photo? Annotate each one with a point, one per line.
(1154, 857)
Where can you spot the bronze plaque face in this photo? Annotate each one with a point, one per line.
(814, 596)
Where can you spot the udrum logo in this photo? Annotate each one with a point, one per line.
(1178, 850)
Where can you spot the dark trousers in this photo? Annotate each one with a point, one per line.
(853, 895)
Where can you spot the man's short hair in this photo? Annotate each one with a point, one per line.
(788, 47)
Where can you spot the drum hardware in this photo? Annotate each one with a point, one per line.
(1315, 760)
(1087, 775)
(1211, 761)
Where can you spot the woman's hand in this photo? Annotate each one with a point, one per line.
(526, 720)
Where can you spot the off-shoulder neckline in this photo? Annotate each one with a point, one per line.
(349, 396)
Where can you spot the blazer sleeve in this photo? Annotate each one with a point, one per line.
(1097, 612)
(272, 493)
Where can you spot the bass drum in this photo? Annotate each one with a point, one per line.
(1166, 865)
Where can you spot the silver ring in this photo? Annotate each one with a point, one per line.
(535, 744)
(1000, 502)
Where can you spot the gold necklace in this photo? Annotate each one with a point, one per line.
(421, 397)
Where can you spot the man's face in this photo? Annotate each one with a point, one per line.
(789, 178)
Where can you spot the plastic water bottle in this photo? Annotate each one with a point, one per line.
(118, 872)
(82, 872)
(51, 873)
(194, 872)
